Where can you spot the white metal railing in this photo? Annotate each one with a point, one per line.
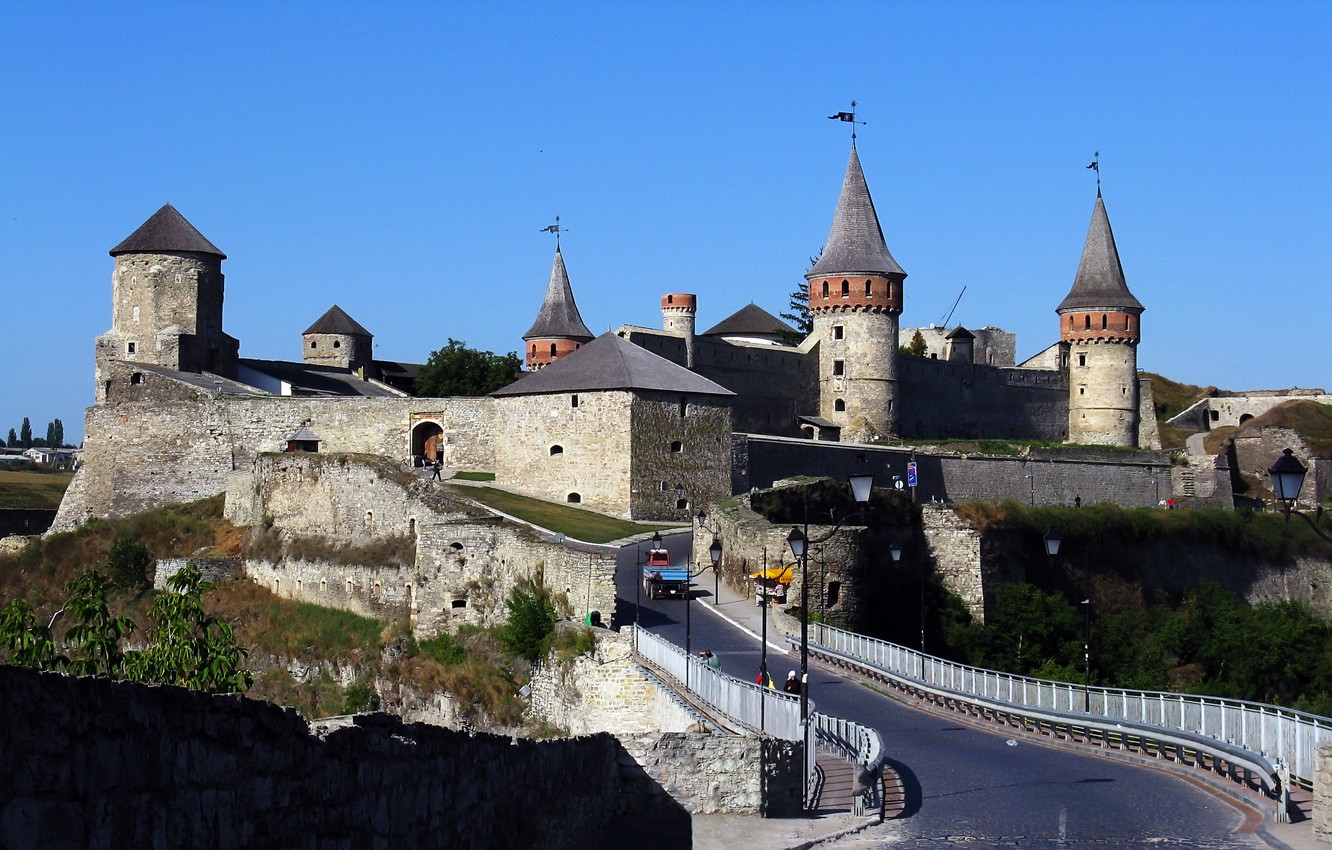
(862, 747)
(756, 708)
(1276, 733)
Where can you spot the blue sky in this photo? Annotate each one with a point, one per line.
(399, 160)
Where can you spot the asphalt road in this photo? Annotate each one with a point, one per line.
(966, 787)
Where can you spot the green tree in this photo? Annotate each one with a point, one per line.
(127, 563)
(95, 636)
(917, 346)
(186, 646)
(27, 641)
(1028, 630)
(58, 434)
(456, 370)
(13, 440)
(799, 314)
(25, 433)
(50, 433)
(531, 622)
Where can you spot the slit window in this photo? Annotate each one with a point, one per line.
(839, 332)
(573, 400)
(869, 288)
(839, 367)
(846, 289)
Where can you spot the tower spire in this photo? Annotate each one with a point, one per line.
(850, 118)
(1096, 166)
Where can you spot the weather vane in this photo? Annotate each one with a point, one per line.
(850, 118)
(1096, 166)
(553, 228)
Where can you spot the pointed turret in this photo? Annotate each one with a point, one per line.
(855, 297)
(558, 329)
(336, 339)
(166, 231)
(1099, 325)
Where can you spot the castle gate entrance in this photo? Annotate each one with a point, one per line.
(427, 443)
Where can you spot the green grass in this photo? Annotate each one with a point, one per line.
(465, 475)
(34, 490)
(573, 522)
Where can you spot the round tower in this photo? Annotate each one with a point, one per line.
(558, 329)
(339, 341)
(166, 302)
(1099, 322)
(678, 312)
(855, 297)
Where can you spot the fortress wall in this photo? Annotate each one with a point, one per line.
(607, 692)
(145, 455)
(592, 460)
(939, 399)
(722, 774)
(701, 426)
(467, 560)
(993, 346)
(96, 763)
(772, 385)
(1042, 476)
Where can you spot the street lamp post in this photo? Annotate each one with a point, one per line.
(1287, 476)
(716, 575)
(1052, 539)
(714, 553)
(861, 485)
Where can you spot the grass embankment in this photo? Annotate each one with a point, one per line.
(1172, 398)
(33, 490)
(1311, 420)
(465, 475)
(579, 524)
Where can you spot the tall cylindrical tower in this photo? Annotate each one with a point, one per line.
(678, 313)
(855, 297)
(1099, 326)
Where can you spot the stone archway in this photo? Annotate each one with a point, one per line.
(427, 442)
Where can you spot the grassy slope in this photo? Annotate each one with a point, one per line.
(1172, 398)
(1313, 422)
(42, 490)
(577, 523)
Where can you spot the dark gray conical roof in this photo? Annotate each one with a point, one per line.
(1100, 282)
(855, 243)
(166, 231)
(336, 321)
(750, 319)
(611, 362)
(559, 318)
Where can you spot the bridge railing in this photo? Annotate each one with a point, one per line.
(1274, 732)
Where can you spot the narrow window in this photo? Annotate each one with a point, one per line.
(314, 343)
(136, 314)
(323, 585)
(869, 288)
(556, 450)
(839, 405)
(552, 349)
(534, 349)
(825, 290)
(664, 488)
(350, 586)
(573, 498)
(130, 348)
(574, 400)
(1082, 390)
(369, 519)
(1104, 320)
(337, 343)
(839, 367)
(834, 592)
(682, 504)
(1082, 360)
(677, 446)
(684, 405)
(299, 585)
(846, 289)
(411, 527)
(839, 332)
(1087, 322)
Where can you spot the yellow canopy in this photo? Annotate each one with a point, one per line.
(781, 575)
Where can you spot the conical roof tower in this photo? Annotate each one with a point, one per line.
(1100, 282)
(855, 297)
(558, 329)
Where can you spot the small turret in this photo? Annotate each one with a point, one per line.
(558, 329)
(1099, 326)
(338, 340)
(678, 313)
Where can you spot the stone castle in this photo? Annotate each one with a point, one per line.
(644, 423)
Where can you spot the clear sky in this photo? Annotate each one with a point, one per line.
(400, 160)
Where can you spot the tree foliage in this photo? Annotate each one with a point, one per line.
(917, 347)
(13, 441)
(531, 623)
(456, 370)
(799, 312)
(25, 434)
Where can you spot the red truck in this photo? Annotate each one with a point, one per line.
(663, 581)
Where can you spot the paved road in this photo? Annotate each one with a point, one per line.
(966, 787)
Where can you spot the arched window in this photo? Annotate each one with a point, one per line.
(534, 349)
(314, 343)
(1104, 320)
(573, 498)
(552, 349)
(350, 586)
(323, 585)
(1087, 322)
(839, 404)
(556, 450)
(869, 288)
(825, 290)
(846, 289)
(337, 344)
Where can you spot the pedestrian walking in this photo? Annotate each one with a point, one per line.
(792, 685)
(435, 476)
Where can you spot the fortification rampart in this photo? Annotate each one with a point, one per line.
(1237, 408)
(145, 455)
(97, 763)
(941, 399)
(460, 560)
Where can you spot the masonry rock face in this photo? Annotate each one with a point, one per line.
(465, 559)
(607, 692)
(943, 399)
(147, 454)
(96, 763)
(1103, 392)
(1322, 794)
(211, 569)
(722, 774)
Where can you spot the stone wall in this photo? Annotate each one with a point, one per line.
(678, 441)
(993, 346)
(465, 559)
(212, 569)
(941, 399)
(96, 763)
(145, 455)
(607, 692)
(1234, 409)
(1322, 793)
(1255, 450)
(953, 547)
(1038, 476)
(722, 774)
(1103, 392)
